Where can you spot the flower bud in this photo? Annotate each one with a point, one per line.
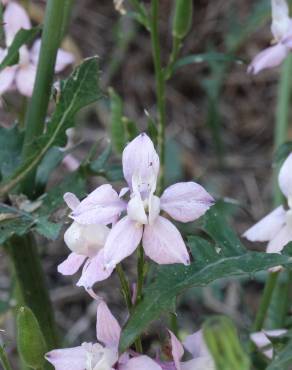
(30, 340)
(182, 20)
(223, 343)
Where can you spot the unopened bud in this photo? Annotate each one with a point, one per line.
(221, 337)
(182, 20)
(30, 340)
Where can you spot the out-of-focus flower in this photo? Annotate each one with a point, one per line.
(161, 240)
(262, 340)
(282, 31)
(119, 6)
(196, 346)
(22, 75)
(96, 356)
(92, 356)
(14, 18)
(276, 227)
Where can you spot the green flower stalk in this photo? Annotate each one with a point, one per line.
(222, 340)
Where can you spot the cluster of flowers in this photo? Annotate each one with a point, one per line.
(108, 227)
(22, 76)
(101, 248)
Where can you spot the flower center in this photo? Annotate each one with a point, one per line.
(99, 358)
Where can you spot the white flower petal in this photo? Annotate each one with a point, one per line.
(268, 227)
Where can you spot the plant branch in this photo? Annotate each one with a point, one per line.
(124, 286)
(54, 25)
(160, 88)
(265, 301)
(282, 119)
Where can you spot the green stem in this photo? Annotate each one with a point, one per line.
(265, 301)
(173, 58)
(55, 20)
(160, 88)
(126, 292)
(4, 359)
(282, 118)
(140, 273)
(124, 286)
(139, 8)
(30, 279)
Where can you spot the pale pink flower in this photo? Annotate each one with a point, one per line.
(276, 227)
(161, 240)
(262, 340)
(196, 346)
(92, 356)
(282, 31)
(96, 356)
(86, 241)
(22, 75)
(15, 17)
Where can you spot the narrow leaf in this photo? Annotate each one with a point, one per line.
(206, 57)
(22, 37)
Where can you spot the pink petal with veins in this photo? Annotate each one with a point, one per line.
(141, 159)
(177, 350)
(101, 206)
(108, 330)
(62, 359)
(94, 271)
(164, 244)
(186, 201)
(122, 240)
(268, 58)
(72, 264)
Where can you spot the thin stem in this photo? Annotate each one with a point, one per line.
(128, 299)
(139, 8)
(4, 359)
(124, 286)
(160, 88)
(173, 58)
(32, 286)
(140, 273)
(265, 301)
(55, 19)
(282, 118)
